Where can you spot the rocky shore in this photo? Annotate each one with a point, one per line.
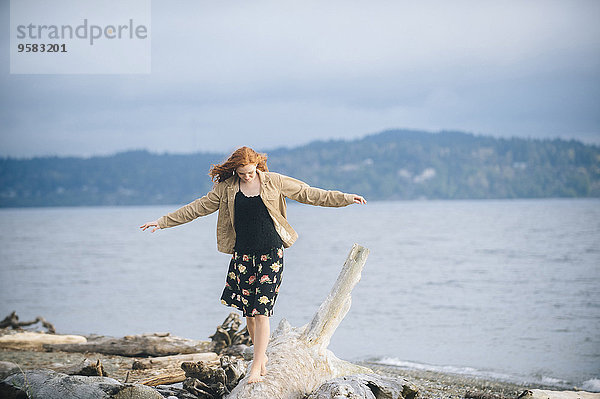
(430, 384)
(162, 366)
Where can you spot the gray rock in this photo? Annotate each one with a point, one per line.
(48, 384)
(365, 386)
(137, 391)
(8, 368)
(7, 391)
(248, 353)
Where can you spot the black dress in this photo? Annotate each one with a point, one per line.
(256, 267)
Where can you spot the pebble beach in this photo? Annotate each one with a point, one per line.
(430, 384)
(437, 385)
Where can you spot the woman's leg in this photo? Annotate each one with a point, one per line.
(262, 332)
(250, 326)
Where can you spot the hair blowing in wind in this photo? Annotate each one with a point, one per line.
(241, 157)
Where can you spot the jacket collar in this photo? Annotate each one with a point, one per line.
(232, 181)
(264, 177)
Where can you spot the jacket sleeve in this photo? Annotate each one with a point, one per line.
(302, 192)
(201, 207)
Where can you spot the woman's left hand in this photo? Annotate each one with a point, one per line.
(150, 224)
(359, 200)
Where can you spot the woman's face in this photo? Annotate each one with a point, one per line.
(247, 172)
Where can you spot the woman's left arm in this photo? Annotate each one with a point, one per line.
(302, 192)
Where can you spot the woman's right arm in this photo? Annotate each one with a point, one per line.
(201, 207)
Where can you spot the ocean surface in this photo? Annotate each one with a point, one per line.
(501, 289)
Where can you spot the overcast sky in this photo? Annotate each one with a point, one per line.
(281, 73)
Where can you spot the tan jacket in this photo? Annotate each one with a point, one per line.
(274, 189)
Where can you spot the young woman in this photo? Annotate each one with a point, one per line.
(252, 226)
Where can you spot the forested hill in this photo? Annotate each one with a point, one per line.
(398, 164)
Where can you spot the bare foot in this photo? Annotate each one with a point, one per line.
(255, 374)
(263, 367)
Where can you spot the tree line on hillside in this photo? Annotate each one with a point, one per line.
(392, 165)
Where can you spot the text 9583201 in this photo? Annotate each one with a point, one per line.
(41, 48)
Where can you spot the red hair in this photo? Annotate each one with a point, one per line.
(241, 157)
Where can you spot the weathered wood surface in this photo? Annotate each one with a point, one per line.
(164, 379)
(164, 362)
(337, 304)
(298, 359)
(36, 340)
(157, 344)
(545, 394)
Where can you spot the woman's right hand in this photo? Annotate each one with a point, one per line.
(150, 224)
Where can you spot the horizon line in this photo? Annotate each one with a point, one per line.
(591, 142)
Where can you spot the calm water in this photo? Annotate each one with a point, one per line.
(508, 289)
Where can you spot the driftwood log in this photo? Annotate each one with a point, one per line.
(174, 361)
(210, 382)
(164, 379)
(229, 335)
(157, 344)
(299, 361)
(37, 340)
(12, 321)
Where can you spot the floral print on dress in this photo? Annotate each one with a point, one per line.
(275, 267)
(253, 282)
(263, 299)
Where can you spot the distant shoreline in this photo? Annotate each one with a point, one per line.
(390, 165)
(293, 204)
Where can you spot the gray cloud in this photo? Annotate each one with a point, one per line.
(271, 74)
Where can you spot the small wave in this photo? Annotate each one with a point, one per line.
(553, 381)
(390, 361)
(592, 385)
